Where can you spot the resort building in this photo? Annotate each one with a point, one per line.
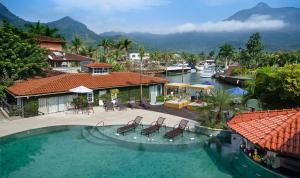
(50, 43)
(269, 137)
(59, 60)
(67, 62)
(136, 56)
(52, 94)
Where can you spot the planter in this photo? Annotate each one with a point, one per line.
(213, 132)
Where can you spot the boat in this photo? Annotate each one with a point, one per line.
(207, 73)
(204, 65)
(179, 68)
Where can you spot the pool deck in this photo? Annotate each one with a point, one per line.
(71, 118)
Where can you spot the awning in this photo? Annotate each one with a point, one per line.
(177, 85)
(201, 87)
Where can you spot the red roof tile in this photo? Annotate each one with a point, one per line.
(98, 65)
(49, 39)
(63, 56)
(65, 82)
(275, 130)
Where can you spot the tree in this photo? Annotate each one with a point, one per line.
(106, 44)
(252, 55)
(36, 28)
(278, 87)
(226, 52)
(219, 101)
(126, 44)
(211, 54)
(20, 56)
(76, 45)
(42, 29)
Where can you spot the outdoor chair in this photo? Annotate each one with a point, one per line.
(155, 126)
(145, 104)
(108, 105)
(132, 103)
(131, 125)
(120, 105)
(177, 130)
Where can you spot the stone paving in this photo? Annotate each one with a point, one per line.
(71, 118)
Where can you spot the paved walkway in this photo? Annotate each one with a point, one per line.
(70, 118)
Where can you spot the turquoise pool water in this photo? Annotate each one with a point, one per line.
(85, 152)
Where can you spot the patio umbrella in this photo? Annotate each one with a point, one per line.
(81, 89)
(208, 83)
(237, 91)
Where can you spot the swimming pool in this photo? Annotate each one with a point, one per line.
(80, 151)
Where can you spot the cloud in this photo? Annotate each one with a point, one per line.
(255, 22)
(107, 6)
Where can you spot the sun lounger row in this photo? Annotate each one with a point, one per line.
(110, 106)
(154, 127)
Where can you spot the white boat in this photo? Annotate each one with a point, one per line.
(204, 65)
(208, 73)
(179, 68)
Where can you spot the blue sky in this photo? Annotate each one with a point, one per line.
(155, 16)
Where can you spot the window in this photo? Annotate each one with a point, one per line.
(90, 97)
(100, 71)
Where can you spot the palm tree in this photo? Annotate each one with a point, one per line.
(76, 45)
(106, 44)
(127, 45)
(142, 54)
(226, 51)
(219, 101)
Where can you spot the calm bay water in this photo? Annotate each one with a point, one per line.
(194, 78)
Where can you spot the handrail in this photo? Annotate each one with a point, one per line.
(99, 123)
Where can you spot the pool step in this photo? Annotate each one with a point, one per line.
(90, 137)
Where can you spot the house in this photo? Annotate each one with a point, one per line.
(50, 43)
(59, 59)
(276, 133)
(51, 94)
(136, 56)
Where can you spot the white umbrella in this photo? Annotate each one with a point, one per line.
(81, 89)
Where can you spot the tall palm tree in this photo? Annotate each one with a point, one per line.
(127, 45)
(106, 44)
(76, 45)
(142, 54)
(226, 51)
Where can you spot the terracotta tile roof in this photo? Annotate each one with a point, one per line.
(65, 82)
(62, 56)
(275, 130)
(49, 39)
(98, 65)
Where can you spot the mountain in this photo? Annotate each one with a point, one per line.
(287, 38)
(5, 14)
(70, 28)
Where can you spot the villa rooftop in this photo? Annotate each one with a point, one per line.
(63, 56)
(63, 83)
(274, 130)
(49, 39)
